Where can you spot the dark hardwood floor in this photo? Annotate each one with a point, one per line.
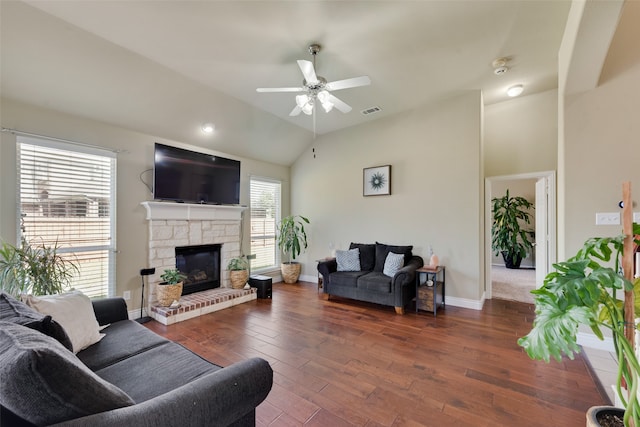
(344, 363)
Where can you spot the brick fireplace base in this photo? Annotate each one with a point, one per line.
(200, 303)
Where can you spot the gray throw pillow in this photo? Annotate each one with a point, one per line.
(15, 311)
(392, 264)
(44, 383)
(382, 250)
(348, 260)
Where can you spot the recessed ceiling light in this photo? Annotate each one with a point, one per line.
(515, 90)
(208, 128)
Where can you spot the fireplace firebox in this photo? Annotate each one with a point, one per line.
(201, 266)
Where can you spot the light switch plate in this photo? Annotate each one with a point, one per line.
(608, 218)
(636, 217)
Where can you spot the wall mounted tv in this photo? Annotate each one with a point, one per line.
(191, 177)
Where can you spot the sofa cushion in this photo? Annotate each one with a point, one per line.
(73, 310)
(392, 264)
(44, 383)
(367, 255)
(15, 311)
(376, 282)
(382, 250)
(157, 371)
(348, 260)
(346, 278)
(122, 339)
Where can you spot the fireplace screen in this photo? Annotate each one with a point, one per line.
(201, 265)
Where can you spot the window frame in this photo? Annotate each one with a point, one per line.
(259, 180)
(110, 249)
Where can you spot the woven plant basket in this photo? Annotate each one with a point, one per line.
(168, 293)
(290, 271)
(238, 278)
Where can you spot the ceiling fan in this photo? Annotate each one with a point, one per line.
(317, 88)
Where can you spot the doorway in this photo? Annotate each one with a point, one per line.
(540, 186)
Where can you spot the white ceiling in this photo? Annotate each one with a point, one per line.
(164, 67)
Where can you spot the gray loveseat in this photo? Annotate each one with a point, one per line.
(368, 281)
(132, 377)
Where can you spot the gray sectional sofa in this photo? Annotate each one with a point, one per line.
(132, 377)
(367, 281)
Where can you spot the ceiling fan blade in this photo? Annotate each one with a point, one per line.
(339, 104)
(280, 89)
(296, 111)
(348, 83)
(308, 71)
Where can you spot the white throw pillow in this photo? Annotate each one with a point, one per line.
(348, 260)
(393, 263)
(74, 311)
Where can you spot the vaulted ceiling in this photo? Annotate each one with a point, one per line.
(165, 67)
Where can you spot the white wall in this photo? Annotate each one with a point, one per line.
(437, 191)
(602, 139)
(132, 228)
(521, 135)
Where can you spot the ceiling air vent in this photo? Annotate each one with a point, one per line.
(371, 110)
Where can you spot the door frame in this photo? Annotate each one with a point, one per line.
(551, 221)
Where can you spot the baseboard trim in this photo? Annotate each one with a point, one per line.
(465, 302)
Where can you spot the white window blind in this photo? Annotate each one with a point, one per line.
(265, 214)
(67, 197)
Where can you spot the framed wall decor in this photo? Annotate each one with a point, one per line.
(376, 181)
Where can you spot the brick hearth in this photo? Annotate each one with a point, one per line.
(200, 303)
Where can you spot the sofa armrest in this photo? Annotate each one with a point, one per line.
(219, 398)
(327, 267)
(110, 310)
(407, 274)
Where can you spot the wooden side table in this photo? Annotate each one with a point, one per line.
(430, 288)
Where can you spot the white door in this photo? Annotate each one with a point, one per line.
(542, 230)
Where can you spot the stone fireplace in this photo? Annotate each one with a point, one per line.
(179, 225)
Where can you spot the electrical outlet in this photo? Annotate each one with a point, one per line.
(610, 218)
(126, 295)
(636, 217)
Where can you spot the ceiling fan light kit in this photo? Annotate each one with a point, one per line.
(317, 88)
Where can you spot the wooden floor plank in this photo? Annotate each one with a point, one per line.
(347, 363)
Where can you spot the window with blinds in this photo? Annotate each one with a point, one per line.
(265, 214)
(67, 197)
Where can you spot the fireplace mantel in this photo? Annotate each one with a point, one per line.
(191, 211)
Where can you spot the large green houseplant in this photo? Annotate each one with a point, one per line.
(292, 240)
(584, 290)
(35, 269)
(509, 235)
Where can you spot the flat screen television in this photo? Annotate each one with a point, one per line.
(191, 177)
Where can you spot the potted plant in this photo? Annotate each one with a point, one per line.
(34, 269)
(292, 240)
(508, 236)
(582, 291)
(170, 289)
(238, 271)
